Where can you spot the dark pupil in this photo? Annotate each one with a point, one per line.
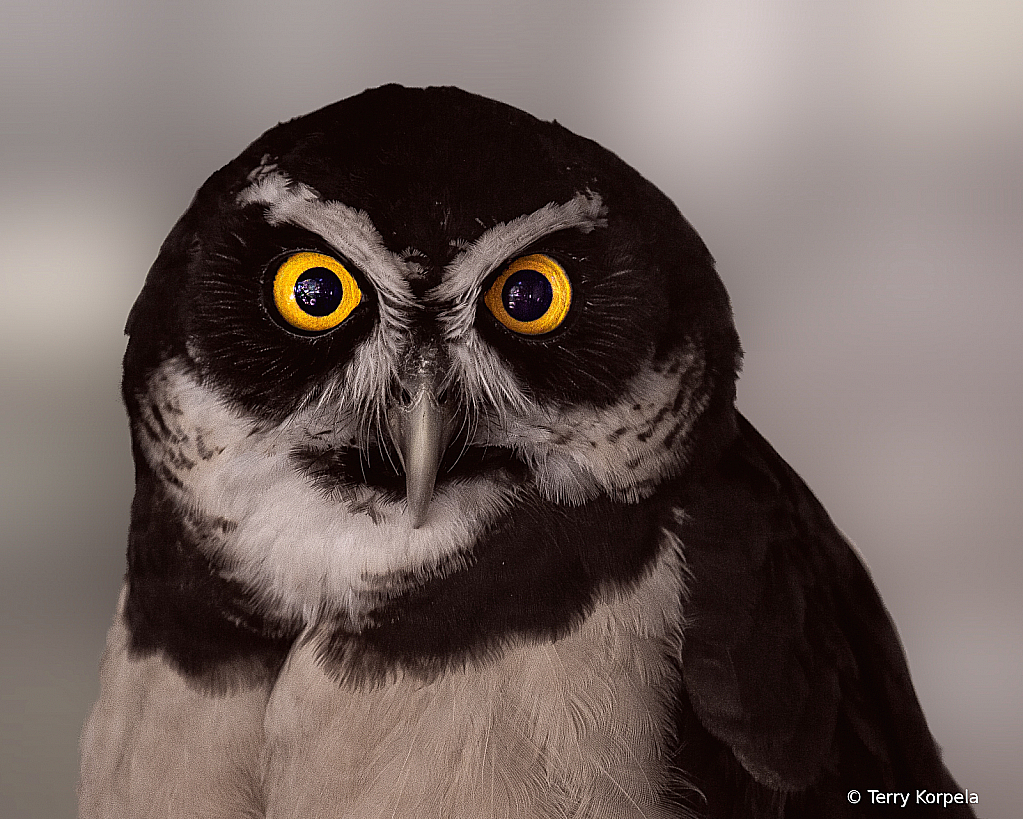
(318, 291)
(527, 295)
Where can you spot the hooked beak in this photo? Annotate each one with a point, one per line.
(420, 429)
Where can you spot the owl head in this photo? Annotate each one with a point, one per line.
(412, 332)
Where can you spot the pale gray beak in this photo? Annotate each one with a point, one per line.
(420, 430)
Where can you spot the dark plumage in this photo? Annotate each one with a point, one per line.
(796, 684)
(413, 550)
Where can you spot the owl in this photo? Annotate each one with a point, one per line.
(444, 508)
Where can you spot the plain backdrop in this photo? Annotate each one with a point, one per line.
(855, 167)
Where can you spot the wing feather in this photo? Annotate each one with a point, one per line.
(796, 685)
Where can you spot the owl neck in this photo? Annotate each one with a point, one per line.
(531, 576)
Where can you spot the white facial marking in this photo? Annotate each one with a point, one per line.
(480, 370)
(627, 448)
(465, 275)
(577, 452)
(352, 234)
(349, 230)
(302, 552)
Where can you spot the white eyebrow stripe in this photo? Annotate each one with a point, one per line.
(465, 275)
(348, 230)
(481, 371)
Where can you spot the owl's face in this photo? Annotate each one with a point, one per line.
(398, 324)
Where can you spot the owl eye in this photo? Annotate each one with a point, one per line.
(531, 296)
(314, 292)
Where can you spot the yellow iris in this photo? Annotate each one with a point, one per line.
(531, 296)
(314, 292)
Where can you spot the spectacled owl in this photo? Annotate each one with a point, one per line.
(444, 508)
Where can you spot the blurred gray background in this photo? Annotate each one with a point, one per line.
(856, 168)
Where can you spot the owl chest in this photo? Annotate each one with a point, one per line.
(570, 728)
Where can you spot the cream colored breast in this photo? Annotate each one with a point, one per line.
(571, 728)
